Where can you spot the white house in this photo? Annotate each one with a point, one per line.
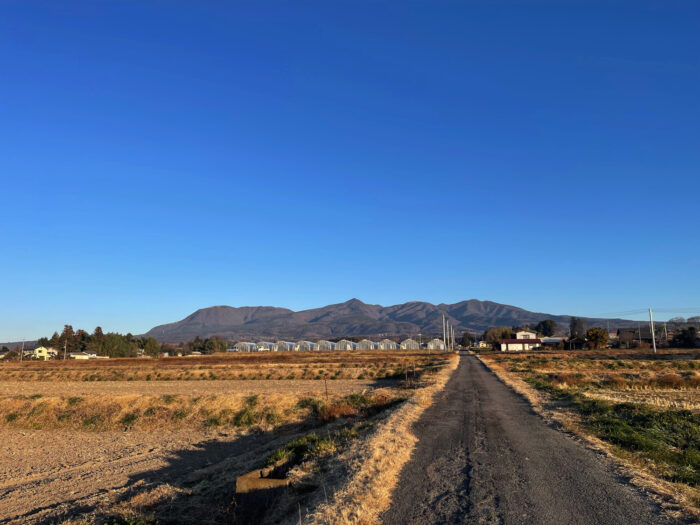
(44, 353)
(526, 334)
(519, 344)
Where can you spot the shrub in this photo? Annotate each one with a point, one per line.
(671, 381)
(74, 400)
(129, 418)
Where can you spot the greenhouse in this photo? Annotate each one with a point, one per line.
(387, 344)
(410, 344)
(436, 344)
(283, 346)
(325, 346)
(304, 346)
(265, 346)
(366, 344)
(244, 347)
(344, 344)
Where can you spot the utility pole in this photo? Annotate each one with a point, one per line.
(65, 349)
(665, 334)
(21, 353)
(444, 328)
(651, 325)
(639, 329)
(453, 338)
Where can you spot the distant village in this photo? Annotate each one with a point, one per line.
(676, 333)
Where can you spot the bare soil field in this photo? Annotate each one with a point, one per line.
(170, 451)
(226, 386)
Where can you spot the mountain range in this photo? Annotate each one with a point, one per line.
(355, 318)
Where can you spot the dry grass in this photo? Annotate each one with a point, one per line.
(256, 366)
(645, 383)
(375, 464)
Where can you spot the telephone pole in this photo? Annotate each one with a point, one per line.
(444, 331)
(21, 352)
(651, 325)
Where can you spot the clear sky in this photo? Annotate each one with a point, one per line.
(159, 157)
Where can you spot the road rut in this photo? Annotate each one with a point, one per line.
(485, 457)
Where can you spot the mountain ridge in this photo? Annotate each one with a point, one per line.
(355, 318)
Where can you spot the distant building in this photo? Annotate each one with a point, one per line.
(284, 346)
(482, 344)
(436, 344)
(44, 353)
(410, 344)
(325, 346)
(388, 344)
(366, 344)
(526, 343)
(526, 334)
(244, 347)
(304, 346)
(264, 346)
(345, 344)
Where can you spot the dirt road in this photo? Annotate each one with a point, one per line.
(485, 457)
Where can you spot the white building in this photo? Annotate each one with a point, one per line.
(387, 344)
(436, 344)
(526, 334)
(44, 353)
(410, 344)
(519, 344)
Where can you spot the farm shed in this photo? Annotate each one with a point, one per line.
(410, 344)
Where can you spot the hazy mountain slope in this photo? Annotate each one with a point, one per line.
(353, 318)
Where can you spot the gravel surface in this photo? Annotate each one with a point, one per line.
(485, 457)
(244, 387)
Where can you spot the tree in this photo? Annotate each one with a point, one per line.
(686, 337)
(547, 327)
(151, 346)
(596, 338)
(66, 338)
(467, 339)
(577, 328)
(694, 319)
(55, 341)
(493, 335)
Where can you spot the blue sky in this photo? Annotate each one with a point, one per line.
(159, 157)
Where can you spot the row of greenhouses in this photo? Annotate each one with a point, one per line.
(327, 346)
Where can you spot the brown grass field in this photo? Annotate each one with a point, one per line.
(640, 407)
(163, 440)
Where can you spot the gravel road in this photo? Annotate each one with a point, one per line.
(485, 457)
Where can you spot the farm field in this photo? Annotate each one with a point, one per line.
(96, 449)
(640, 407)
